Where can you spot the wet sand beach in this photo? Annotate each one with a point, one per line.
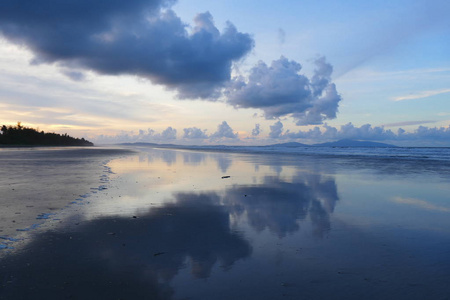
(180, 224)
(37, 183)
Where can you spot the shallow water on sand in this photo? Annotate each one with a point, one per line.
(37, 183)
(170, 226)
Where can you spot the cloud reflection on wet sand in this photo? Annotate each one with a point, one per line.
(169, 227)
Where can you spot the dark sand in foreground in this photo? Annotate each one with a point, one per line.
(37, 183)
(166, 225)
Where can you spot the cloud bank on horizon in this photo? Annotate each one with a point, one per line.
(324, 133)
(147, 39)
(365, 132)
(223, 133)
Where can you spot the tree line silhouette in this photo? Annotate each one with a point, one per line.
(25, 136)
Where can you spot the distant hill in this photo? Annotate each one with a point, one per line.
(340, 143)
(24, 136)
(139, 144)
(291, 145)
(145, 144)
(353, 143)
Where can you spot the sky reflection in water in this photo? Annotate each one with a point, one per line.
(169, 227)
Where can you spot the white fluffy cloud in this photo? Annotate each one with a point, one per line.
(194, 133)
(169, 135)
(145, 136)
(365, 132)
(224, 131)
(276, 130)
(279, 90)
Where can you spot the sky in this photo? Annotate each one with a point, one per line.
(228, 72)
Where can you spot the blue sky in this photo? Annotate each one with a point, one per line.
(233, 72)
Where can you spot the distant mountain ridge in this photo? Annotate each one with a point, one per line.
(291, 144)
(354, 143)
(339, 143)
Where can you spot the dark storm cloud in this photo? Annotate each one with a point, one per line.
(141, 37)
(279, 90)
(147, 39)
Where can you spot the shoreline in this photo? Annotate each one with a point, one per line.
(40, 183)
